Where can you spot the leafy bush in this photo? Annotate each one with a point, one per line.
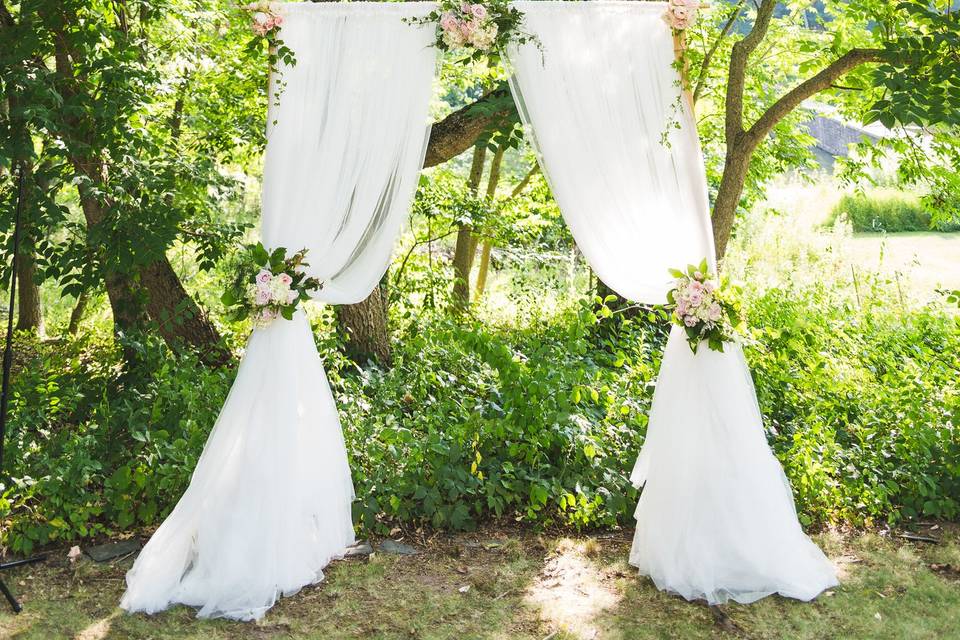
(92, 451)
(538, 423)
(890, 212)
(863, 405)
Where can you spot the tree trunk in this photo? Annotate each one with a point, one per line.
(492, 182)
(728, 196)
(466, 244)
(178, 317)
(484, 268)
(365, 326)
(129, 315)
(76, 316)
(29, 316)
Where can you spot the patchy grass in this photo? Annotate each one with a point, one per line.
(520, 586)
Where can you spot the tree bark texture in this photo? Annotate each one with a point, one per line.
(76, 316)
(29, 315)
(366, 328)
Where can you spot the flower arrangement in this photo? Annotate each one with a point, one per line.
(265, 24)
(484, 27)
(709, 310)
(468, 25)
(681, 14)
(269, 285)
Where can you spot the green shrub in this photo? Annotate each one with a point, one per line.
(539, 423)
(864, 405)
(889, 212)
(91, 451)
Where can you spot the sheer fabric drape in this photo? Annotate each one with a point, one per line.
(597, 101)
(269, 504)
(716, 518)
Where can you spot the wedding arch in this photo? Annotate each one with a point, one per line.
(269, 502)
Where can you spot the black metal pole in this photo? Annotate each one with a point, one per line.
(7, 362)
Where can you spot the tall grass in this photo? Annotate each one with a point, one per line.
(885, 211)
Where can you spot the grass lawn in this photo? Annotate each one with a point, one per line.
(932, 260)
(785, 241)
(519, 586)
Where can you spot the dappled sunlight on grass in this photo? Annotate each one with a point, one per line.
(572, 590)
(99, 629)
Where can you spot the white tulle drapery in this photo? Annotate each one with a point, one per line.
(716, 518)
(269, 504)
(597, 101)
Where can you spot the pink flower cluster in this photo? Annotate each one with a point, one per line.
(696, 301)
(681, 14)
(468, 25)
(264, 18)
(270, 292)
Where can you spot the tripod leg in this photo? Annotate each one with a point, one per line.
(9, 596)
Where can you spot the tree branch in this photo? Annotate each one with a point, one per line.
(708, 56)
(811, 86)
(517, 190)
(738, 69)
(460, 130)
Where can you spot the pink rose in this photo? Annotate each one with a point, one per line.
(710, 286)
(466, 30)
(262, 298)
(679, 18)
(689, 321)
(479, 11)
(448, 22)
(696, 286)
(277, 21)
(682, 308)
(264, 277)
(285, 279)
(465, 7)
(695, 299)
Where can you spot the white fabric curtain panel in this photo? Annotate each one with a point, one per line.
(351, 129)
(269, 504)
(597, 101)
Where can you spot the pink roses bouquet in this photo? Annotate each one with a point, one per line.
(708, 309)
(269, 285)
(265, 19)
(468, 25)
(681, 14)
(481, 28)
